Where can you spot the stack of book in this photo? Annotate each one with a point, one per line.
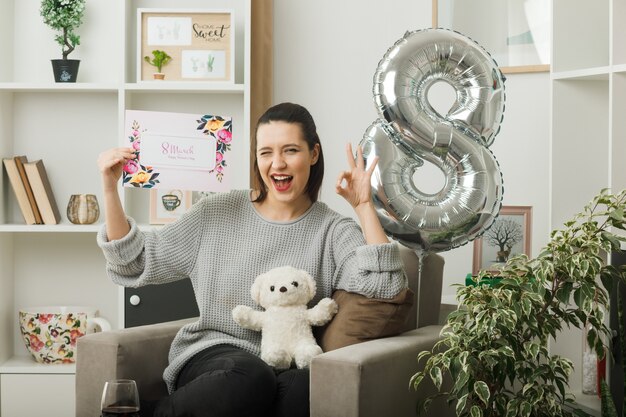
(32, 189)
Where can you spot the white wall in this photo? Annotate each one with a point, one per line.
(325, 55)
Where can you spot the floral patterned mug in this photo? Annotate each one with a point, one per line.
(50, 333)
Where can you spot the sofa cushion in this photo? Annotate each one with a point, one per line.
(361, 318)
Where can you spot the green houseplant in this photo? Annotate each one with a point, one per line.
(494, 347)
(64, 17)
(159, 58)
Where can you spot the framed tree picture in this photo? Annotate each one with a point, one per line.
(508, 236)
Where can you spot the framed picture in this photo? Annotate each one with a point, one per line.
(515, 32)
(199, 195)
(508, 236)
(167, 206)
(201, 44)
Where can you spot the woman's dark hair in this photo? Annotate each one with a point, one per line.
(292, 113)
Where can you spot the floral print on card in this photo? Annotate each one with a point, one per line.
(222, 130)
(134, 173)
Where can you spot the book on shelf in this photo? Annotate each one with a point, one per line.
(36, 173)
(19, 162)
(19, 190)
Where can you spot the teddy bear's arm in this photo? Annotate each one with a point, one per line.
(322, 312)
(248, 318)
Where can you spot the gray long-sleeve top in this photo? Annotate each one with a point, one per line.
(222, 244)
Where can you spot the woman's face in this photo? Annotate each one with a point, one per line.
(284, 161)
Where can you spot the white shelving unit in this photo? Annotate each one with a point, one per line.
(67, 126)
(588, 79)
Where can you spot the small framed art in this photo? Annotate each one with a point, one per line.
(508, 236)
(199, 195)
(515, 32)
(200, 44)
(167, 206)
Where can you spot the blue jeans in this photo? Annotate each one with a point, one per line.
(225, 381)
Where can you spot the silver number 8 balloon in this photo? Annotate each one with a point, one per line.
(413, 132)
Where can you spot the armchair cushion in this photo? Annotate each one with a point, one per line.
(361, 318)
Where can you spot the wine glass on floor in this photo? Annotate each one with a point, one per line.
(120, 398)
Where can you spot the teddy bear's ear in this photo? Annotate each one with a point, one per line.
(255, 289)
(310, 283)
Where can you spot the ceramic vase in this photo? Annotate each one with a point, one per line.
(83, 209)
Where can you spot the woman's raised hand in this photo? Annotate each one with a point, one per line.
(355, 184)
(111, 164)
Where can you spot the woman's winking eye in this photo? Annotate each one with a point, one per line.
(267, 152)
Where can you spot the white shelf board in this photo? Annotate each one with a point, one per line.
(64, 227)
(184, 86)
(619, 68)
(146, 226)
(55, 228)
(60, 87)
(591, 74)
(22, 364)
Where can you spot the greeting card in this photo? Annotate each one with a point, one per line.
(178, 151)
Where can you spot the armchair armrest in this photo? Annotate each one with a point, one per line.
(372, 378)
(138, 353)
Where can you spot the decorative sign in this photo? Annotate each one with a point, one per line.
(200, 43)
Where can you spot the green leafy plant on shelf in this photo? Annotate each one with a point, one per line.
(493, 358)
(64, 16)
(159, 58)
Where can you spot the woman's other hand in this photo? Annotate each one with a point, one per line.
(355, 184)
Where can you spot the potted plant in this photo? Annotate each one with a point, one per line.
(494, 347)
(64, 16)
(159, 58)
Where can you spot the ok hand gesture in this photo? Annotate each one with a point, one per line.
(355, 184)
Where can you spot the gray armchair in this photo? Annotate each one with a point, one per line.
(369, 379)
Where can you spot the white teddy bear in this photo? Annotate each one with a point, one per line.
(286, 322)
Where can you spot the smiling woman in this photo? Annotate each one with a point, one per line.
(284, 224)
